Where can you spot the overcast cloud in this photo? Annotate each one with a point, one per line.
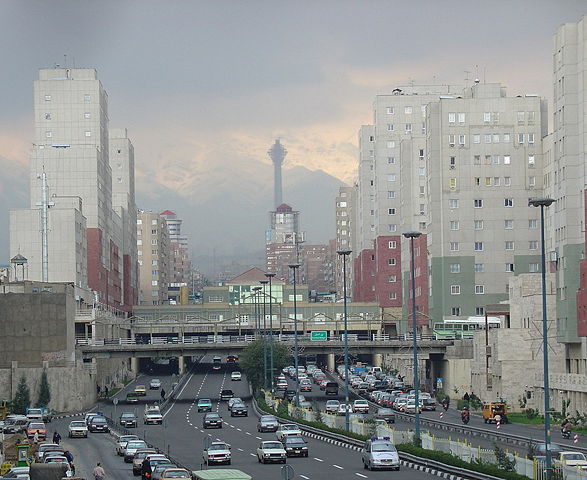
(200, 82)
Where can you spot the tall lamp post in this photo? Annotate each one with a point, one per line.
(544, 202)
(264, 283)
(344, 254)
(271, 373)
(411, 236)
(256, 298)
(294, 267)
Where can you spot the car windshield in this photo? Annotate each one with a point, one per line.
(383, 447)
(218, 447)
(177, 474)
(128, 438)
(272, 445)
(128, 415)
(212, 416)
(37, 425)
(574, 456)
(204, 401)
(295, 441)
(98, 420)
(77, 424)
(289, 427)
(138, 444)
(266, 418)
(384, 411)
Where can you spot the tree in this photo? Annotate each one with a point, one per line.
(22, 398)
(44, 391)
(251, 361)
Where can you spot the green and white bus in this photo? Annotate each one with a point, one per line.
(457, 328)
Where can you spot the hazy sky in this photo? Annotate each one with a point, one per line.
(198, 83)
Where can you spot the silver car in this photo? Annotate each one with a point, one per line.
(379, 452)
(267, 423)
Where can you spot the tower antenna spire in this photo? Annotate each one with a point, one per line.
(277, 153)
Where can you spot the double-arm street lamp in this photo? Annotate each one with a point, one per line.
(412, 236)
(344, 254)
(264, 283)
(271, 372)
(294, 267)
(256, 301)
(544, 202)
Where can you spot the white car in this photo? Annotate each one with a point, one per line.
(155, 384)
(234, 400)
(122, 443)
(287, 429)
(343, 408)
(332, 406)
(236, 376)
(217, 452)
(282, 384)
(361, 406)
(77, 428)
(152, 416)
(271, 451)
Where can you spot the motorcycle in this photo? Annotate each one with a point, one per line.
(445, 406)
(465, 419)
(566, 434)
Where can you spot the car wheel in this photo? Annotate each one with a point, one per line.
(228, 463)
(364, 465)
(369, 466)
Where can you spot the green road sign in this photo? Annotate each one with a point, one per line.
(318, 336)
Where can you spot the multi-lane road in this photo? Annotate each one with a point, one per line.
(183, 437)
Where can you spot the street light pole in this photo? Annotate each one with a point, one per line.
(544, 202)
(411, 236)
(344, 254)
(264, 283)
(256, 298)
(294, 267)
(271, 372)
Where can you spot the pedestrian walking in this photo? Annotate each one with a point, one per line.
(56, 437)
(106, 391)
(98, 390)
(162, 393)
(99, 472)
(36, 437)
(146, 469)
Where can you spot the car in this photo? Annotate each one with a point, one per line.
(155, 384)
(306, 386)
(271, 451)
(38, 428)
(361, 406)
(132, 397)
(15, 424)
(286, 429)
(236, 376)
(98, 424)
(295, 446)
(428, 404)
(204, 405)
(140, 390)
(138, 457)
(331, 388)
(281, 385)
(173, 473)
(91, 415)
(411, 407)
(554, 448)
(21, 473)
(77, 428)
(386, 414)
(234, 400)
(62, 460)
(226, 394)
(160, 468)
(379, 452)
(152, 416)
(128, 420)
(212, 420)
(217, 452)
(267, 423)
(122, 442)
(239, 409)
(48, 448)
(573, 459)
(289, 394)
(158, 459)
(343, 408)
(34, 414)
(332, 406)
(133, 447)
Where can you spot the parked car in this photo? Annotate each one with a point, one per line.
(271, 451)
(77, 428)
(133, 447)
(173, 473)
(138, 457)
(217, 452)
(267, 423)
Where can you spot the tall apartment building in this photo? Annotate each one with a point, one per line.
(153, 249)
(283, 241)
(70, 156)
(344, 212)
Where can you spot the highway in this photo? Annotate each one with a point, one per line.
(182, 436)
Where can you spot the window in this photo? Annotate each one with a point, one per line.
(509, 245)
(391, 177)
(478, 246)
(390, 110)
(452, 117)
(455, 289)
(422, 190)
(479, 267)
(507, 159)
(533, 268)
(391, 160)
(139, 242)
(421, 154)
(479, 289)
(477, 160)
(154, 263)
(154, 273)
(88, 133)
(478, 203)
(452, 140)
(533, 245)
(495, 159)
(139, 252)
(507, 181)
(47, 98)
(392, 227)
(88, 116)
(454, 246)
(391, 261)
(154, 222)
(521, 116)
(532, 223)
(455, 267)
(454, 224)
(531, 160)
(154, 283)
(453, 162)
(508, 202)
(422, 171)
(153, 241)
(479, 311)
(478, 224)
(408, 128)
(462, 139)
(462, 117)
(520, 138)
(390, 144)
(87, 98)
(422, 209)
(392, 278)
(508, 224)
(496, 181)
(531, 181)
(390, 127)
(154, 252)
(496, 138)
(154, 232)
(477, 138)
(453, 203)
(48, 134)
(531, 117)
(139, 221)
(392, 244)
(530, 138)
(453, 183)
(506, 138)
(455, 311)
(488, 181)
(408, 110)
(392, 295)
(390, 194)
(509, 267)
(391, 211)
(487, 117)
(487, 138)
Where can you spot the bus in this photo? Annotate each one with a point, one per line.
(216, 362)
(458, 328)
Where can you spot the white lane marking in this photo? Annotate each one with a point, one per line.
(232, 426)
(338, 466)
(303, 476)
(358, 475)
(318, 459)
(248, 433)
(240, 429)
(240, 449)
(178, 395)
(258, 438)
(252, 455)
